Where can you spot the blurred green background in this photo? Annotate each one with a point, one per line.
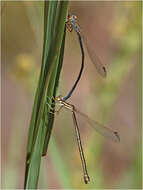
(113, 30)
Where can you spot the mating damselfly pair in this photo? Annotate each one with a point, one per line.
(61, 101)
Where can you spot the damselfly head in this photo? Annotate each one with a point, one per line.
(59, 98)
(71, 17)
(74, 17)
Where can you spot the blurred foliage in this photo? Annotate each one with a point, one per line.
(25, 72)
(63, 158)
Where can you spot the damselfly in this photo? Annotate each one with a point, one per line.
(72, 24)
(102, 130)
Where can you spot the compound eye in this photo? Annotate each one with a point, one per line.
(75, 17)
(58, 98)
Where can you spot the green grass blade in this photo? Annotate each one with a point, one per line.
(49, 9)
(52, 8)
(53, 36)
(49, 118)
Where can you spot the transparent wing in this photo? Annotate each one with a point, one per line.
(99, 66)
(95, 59)
(102, 130)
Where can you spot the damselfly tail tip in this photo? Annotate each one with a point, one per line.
(86, 179)
(117, 136)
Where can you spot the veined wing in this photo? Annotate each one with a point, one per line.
(102, 130)
(101, 69)
(99, 66)
(95, 59)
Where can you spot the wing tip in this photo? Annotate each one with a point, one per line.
(104, 74)
(117, 136)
